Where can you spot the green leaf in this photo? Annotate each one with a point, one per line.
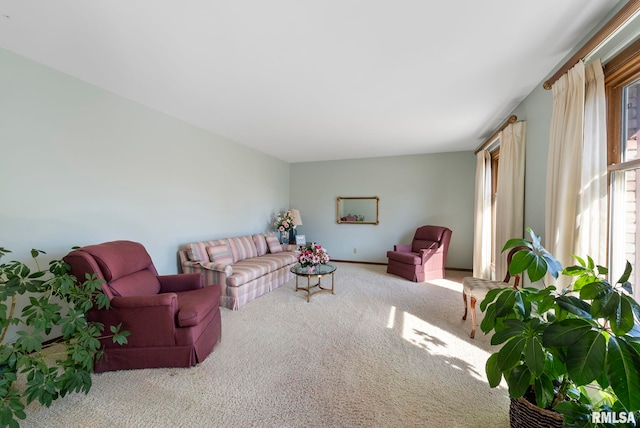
(627, 273)
(489, 321)
(594, 290)
(534, 356)
(494, 375)
(622, 320)
(574, 270)
(521, 261)
(538, 269)
(505, 302)
(572, 411)
(580, 260)
(544, 391)
(491, 295)
(514, 328)
(546, 303)
(511, 353)
(519, 380)
(586, 357)
(516, 242)
(623, 372)
(575, 306)
(605, 306)
(553, 265)
(519, 304)
(121, 337)
(566, 332)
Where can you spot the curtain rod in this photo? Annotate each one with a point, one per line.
(623, 15)
(490, 140)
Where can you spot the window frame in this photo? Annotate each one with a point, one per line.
(619, 72)
(623, 69)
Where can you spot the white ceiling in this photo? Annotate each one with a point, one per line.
(307, 80)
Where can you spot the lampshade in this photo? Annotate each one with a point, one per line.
(297, 220)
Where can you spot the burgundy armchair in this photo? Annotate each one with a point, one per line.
(173, 320)
(424, 258)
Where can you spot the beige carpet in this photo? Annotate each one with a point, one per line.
(381, 352)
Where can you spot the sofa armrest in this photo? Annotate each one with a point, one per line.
(180, 282)
(290, 247)
(403, 248)
(150, 320)
(218, 267)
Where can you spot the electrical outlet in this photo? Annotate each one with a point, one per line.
(355, 250)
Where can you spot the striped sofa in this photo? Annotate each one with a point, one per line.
(246, 267)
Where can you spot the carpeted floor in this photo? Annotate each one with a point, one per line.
(381, 352)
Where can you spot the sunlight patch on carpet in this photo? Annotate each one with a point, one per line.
(439, 342)
(392, 317)
(445, 283)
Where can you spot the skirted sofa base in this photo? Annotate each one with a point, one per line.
(245, 267)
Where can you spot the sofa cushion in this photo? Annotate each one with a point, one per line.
(273, 244)
(197, 251)
(406, 258)
(242, 248)
(419, 244)
(250, 269)
(281, 259)
(141, 283)
(430, 233)
(119, 258)
(261, 243)
(220, 254)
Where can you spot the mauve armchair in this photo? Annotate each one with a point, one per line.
(424, 258)
(174, 320)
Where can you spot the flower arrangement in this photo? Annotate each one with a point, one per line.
(312, 255)
(284, 222)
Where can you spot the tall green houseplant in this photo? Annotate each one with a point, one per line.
(574, 350)
(26, 371)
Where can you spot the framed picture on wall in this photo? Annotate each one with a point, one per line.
(301, 240)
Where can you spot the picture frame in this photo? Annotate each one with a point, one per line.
(301, 240)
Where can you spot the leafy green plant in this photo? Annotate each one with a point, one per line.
(55, 299)
(574, 350)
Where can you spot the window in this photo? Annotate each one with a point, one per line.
(622, 82)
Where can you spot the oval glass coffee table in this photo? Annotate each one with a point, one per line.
(317, 272)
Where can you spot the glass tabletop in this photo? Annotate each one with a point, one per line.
(322, 269)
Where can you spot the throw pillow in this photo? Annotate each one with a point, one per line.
(261, 244)
(197, 252)
(273, 244)
(219, 254)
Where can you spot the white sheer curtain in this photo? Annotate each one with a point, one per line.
(592, 214)
(482, 217)
(563, 165)
(510, 196)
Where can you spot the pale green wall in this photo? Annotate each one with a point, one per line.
(80, 165)
(413, 190)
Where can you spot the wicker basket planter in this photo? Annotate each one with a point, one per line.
(523, 414)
